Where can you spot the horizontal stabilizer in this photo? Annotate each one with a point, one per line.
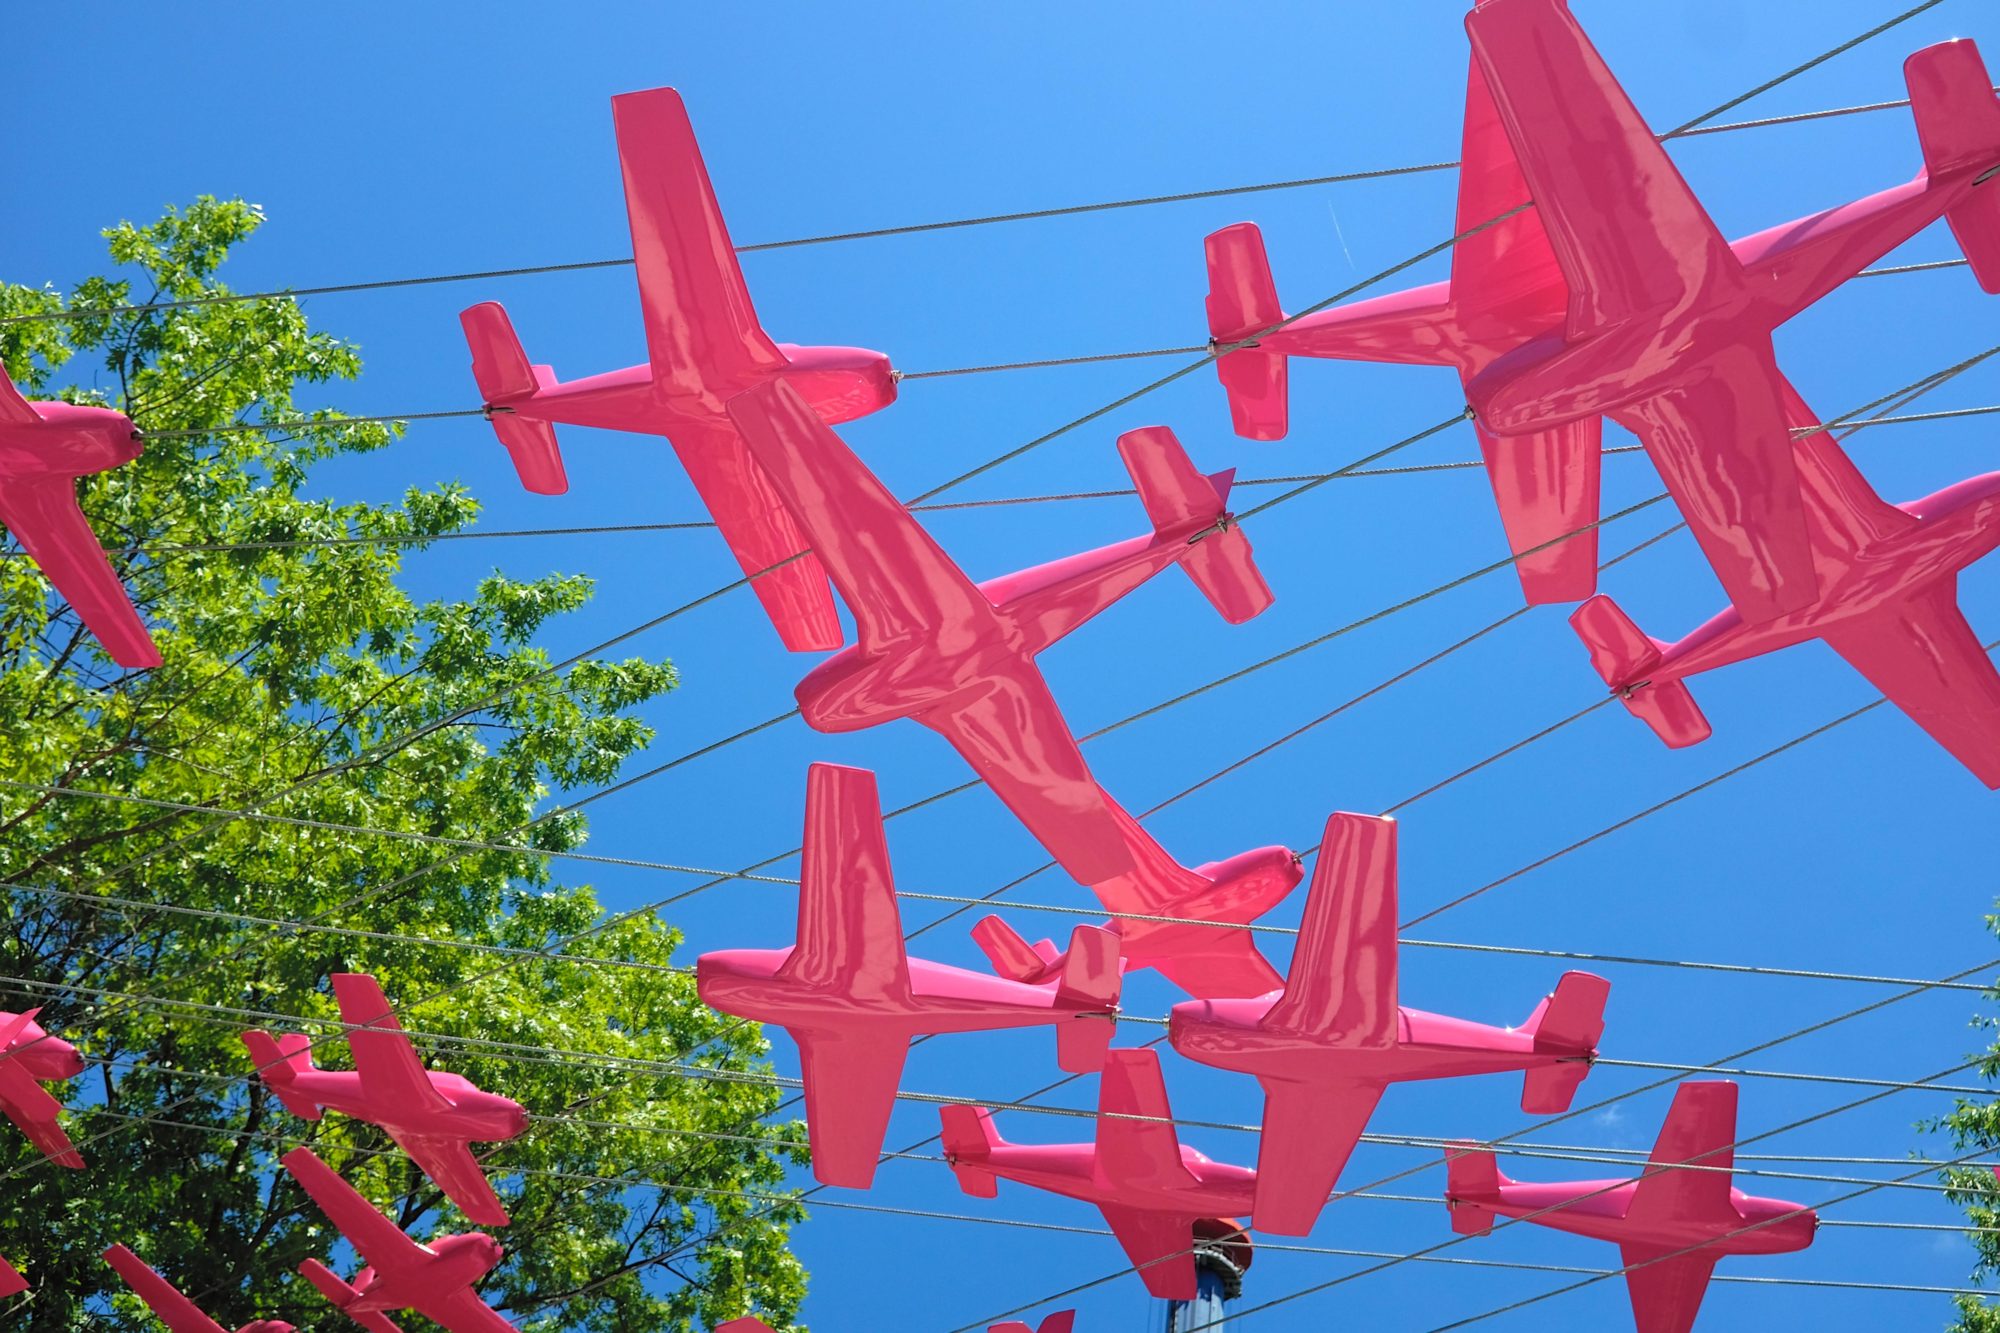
(1180, 499)
(1472, 1183)
(969, 1140)
(341, 1294)
(1958, 123)
(1549, 1089)
(1242, 302)
(1571, 1019)
(279, 1061)
(1089, 983)
(501, 368)
(1622, 654)
(1011, 956)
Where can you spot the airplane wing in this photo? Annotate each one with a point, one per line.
(701, 330)
(1013, 734)
(1925, 658)
(1310, 1130)
(337, 1291)
(895, 579)
(762, 534)
(461, 1311)
(43, 515)
(1144, 1153)
(1843, 513)
(379, 1242)
(850, 940)
(1341, 988)
(1629, 234)
(1226, 966)
(1724, 447)
(1666, 1293)
(391, 1075)
(1505, 282)
(1700, 1128)
(452, 1168)
(850, 1088)
(1160, 1246)
(1546, 486)
(34, 1112)
(176, 1311)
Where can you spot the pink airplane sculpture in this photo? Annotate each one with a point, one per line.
(434, 1279)
(1062, 1321)
(29, 1057)
(11, 1281)
(959, 657)
(1206, 961)
(852, 998)
(1150, 1188)
(432, 1116)
(704, 345)
(1888, 603)
(44, 448)
(1327, 1046)
(1670, 1226)
(176, 1311)
(1615, 295)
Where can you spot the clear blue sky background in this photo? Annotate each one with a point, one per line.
(387, 140)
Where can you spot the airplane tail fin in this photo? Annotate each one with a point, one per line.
(1958, 123)
(1089, 983)
(969, 1141)
(1218, 557)
(500, 366)
(1569, 1023)
(279, 1061)
(1011, 956)
(1242, 300)
(1472, 1182)
(1622, 654)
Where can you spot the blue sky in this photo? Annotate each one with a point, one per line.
(387, 140)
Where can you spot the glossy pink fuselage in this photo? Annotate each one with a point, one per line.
(1959, 525)
(474, 1115)
(47, 1059)
(1602, 1216)
(865, 685)
(841, 383)
(69, 441)
(453, 1263)
(1228, 1035)
(1236, 891)
(1072, 1170)
(943, 998)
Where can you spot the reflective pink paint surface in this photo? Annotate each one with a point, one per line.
(852, 998)
(1208, 962)
(44, 448)
(1615, 295)
(432, 1116)
(175, 1310)
(959, 657)
(434, 1279)
(1653, 1218)
(1062, 1321)
(11, 1281)
(30, 1057)
(1888, 604)
(1150, 1187)
(704, 346)
(1327, 1045)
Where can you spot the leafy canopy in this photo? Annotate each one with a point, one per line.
(300, 667)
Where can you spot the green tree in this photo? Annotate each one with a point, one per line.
(1974, 1127)
(299, 668)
